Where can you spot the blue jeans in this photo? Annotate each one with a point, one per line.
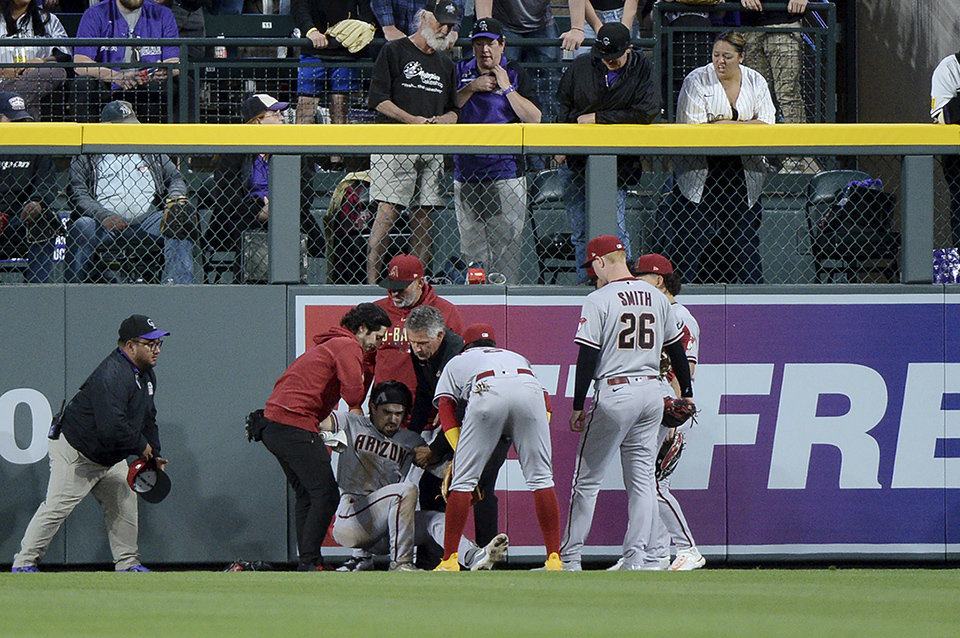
(314, 79)
(86, 234)
(542, 63)
(39, 256)
(575, 198)
(613, 15)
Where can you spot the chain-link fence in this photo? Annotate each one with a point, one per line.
(152, 218)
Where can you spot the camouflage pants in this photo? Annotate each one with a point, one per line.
(778, 57)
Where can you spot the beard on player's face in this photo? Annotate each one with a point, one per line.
(131, 5)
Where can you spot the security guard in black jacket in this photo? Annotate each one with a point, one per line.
(112, 417)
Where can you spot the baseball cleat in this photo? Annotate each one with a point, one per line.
(136, 568)
(553, 563)
(687, 560)
(617, 565)
(449, 565)
(26, 569)
(494, 552)
(357, 564)
(403, 567)
(664, 563)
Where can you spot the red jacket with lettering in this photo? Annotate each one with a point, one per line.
(391, 361)
(311, 387)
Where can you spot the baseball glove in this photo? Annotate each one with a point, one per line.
(669, 456)
(676, 412)
(180, 219)
(445, 487)
(354, 35)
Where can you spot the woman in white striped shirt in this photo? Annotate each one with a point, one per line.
(713, 214)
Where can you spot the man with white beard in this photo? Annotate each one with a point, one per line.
(413, 82)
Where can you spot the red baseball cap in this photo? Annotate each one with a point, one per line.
(150, 482)
(403, 271)
(477, 331)
(600, 246)
(654, 263)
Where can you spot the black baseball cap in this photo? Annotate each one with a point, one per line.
(445, 11)
(487, 28)
(140, 327)
(257, 105)
(613, 39)
(391, 392)
(119, 112)
(13, 107)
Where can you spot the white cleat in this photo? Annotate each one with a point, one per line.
(687, 560)
(616, 566)
(494, 552)
(664, 563)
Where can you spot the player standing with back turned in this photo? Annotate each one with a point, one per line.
(623, 327)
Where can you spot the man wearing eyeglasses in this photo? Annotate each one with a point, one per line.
(111, 418)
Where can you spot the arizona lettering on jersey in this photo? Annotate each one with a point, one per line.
(629, 321)
(371, 459)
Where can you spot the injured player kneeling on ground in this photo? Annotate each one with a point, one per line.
(378, 505)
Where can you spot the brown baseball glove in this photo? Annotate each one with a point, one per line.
(676, 412)
(180, 219)
(445, 486)
(669, 456)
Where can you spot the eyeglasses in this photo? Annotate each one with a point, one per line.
(153, 345)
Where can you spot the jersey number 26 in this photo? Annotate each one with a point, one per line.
(637, 331)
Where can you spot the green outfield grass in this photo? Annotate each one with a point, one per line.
(845, 603)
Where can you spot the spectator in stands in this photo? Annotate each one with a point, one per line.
(34, 80)
(191, 23)
(712, 218)
(490, 190)
(313, 18)
(777, 56)
(614, 85)
(533, 19)
(144, 85)
(945, 109)
(123, 196)
(401, 18)
(426, 97)
(240, 194)
(29, 224)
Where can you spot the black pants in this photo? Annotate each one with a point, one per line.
(306, 463)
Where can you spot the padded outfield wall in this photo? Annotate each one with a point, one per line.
(829, 424)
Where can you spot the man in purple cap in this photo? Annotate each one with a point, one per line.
(413, 82)
(111, 418)
(490, 190)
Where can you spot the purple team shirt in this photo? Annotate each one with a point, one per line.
(104, 20)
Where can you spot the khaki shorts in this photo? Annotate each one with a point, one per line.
(398, 179)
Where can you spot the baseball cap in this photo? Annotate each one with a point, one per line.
(654, 263)
(149, 482)
(613, 39)
(13, 106)
(477, 331)
(119, 112)
(600, 246)
(487, 28)
(402, 271)
(258, 104)
(445, 11)
(140, 326)
(391, 392)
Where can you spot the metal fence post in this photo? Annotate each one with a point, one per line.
(601, 195)
(284, 219)
(917, 220)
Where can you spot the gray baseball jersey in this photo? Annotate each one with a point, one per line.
(371, 459)
(629, 321)
(691, 337)
(502, 396)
